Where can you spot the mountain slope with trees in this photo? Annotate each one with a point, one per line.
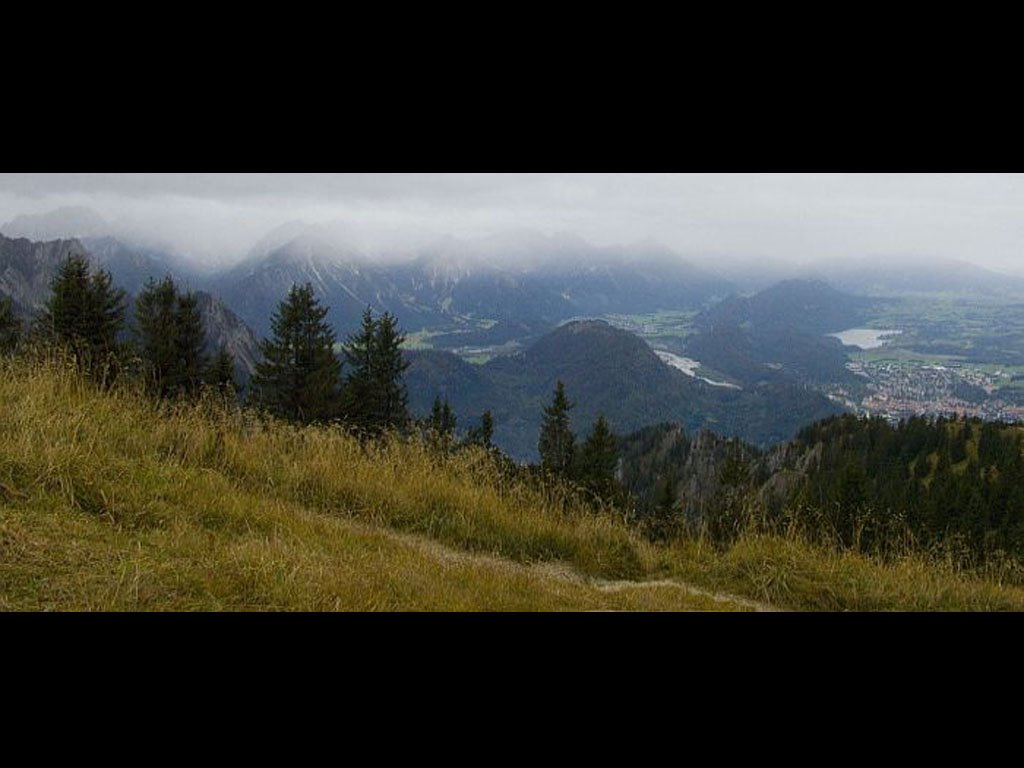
(950, 486)
(27, 270)
(609, 372)
(779, 335)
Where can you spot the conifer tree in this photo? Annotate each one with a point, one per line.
(556, 438)
(375, 396)
(299, 377)
(664, 521)
(154, 328)
(10, 327)
(171, 338)
(484, 434)
(486, 429)
(84, 313)
(389, 368)
(442, 418)
(220, 374)
(442, 423)
(359, 395)
(598, 459)
(189, 340)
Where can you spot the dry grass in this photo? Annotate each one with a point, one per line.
(109, 501)
(798, 575)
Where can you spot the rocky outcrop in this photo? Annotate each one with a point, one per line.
(27, 268)
(225, 330)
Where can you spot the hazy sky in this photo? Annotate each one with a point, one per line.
(800, 217)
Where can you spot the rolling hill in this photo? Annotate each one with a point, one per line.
(779, 334)
(610, 372)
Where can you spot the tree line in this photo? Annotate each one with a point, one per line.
(87, 316)
(951, 486)
(305, 376)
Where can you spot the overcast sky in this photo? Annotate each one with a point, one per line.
(799, 217)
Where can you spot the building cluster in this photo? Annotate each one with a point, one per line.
(900, 389)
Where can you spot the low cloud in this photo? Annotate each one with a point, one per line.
(804, 218)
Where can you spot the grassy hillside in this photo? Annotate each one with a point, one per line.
(111, 502)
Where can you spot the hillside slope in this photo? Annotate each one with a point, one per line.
(610, 372)
(111, 502)
(779, 334)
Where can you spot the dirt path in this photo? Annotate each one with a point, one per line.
(718, 597)
(565, 572)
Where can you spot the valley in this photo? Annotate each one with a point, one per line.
(488, 330)
(961, 356)
(515, 421)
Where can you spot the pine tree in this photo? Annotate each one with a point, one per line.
(171, 338)
(390, 366)
(10, 327)
(299, 377)
(486, 429)
(359, 394)
(154, 329)
(220, 374)
(85, 314)
(442, 424)
(598, 460)
(664, 520)
(442, 418)
(958, 445)
(375, 397)
(189, 341)
(556, 438)
(484, 434)
(735, 471)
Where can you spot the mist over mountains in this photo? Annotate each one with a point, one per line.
(495, 321)
(419, 254)
(523, 280)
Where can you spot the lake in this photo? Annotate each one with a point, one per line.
(864, 338)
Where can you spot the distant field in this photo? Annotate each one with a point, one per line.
(897, 354)
(421, 339)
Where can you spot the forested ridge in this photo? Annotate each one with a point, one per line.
(953, 487)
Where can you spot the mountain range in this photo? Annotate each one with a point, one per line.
(476, 286)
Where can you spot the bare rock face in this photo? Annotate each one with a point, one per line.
(706, 463)
(27, 268)
(225, 330)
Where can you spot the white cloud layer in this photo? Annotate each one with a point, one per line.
(797, 217)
